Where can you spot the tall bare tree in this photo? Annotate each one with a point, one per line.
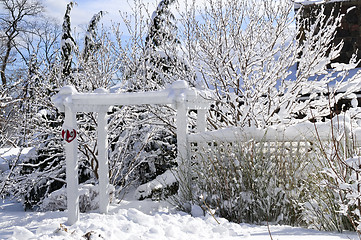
(14, 20)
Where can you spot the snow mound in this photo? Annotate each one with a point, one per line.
(141, 220)
(88, 198)
(162, 181)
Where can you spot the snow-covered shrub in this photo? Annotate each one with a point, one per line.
(161, 187)
(250, 54)
(141, 148)
(40, 175)
(312, 183)
(88, 198)
(44, 171)
(161, 153)
(320, 206)
(340, 178)
(251, 182)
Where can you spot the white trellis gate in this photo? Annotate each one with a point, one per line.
(69, 101)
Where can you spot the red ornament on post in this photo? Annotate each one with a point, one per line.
(68, 136)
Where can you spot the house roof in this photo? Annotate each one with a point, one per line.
(298, 3)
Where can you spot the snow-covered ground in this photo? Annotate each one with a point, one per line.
(133, 220)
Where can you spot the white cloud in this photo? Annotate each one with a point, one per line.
(55, 9)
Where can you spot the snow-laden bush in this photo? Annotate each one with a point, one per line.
(313, 182)
(140, 147)
(88, 198)
(265, 182)
(251, 182)
(252, 55)
(340, 177)
(160, 188)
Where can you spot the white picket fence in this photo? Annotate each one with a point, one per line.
(295, 140)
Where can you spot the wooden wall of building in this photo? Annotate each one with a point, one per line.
(350, 30)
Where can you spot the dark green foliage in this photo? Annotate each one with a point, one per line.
(45, 171)
(141, 148)
(163, 193)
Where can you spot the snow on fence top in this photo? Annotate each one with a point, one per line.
(305, 131)
(179, 91)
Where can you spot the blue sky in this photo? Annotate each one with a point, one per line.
(85, 9)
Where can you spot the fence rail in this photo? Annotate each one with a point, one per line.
(301, 138)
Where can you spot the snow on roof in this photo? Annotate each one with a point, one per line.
(298, 3)
(308, 2)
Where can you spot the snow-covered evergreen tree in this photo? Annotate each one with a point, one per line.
(67, 45)
(161, 43)
(90, 43)
(162, 30)
(160, 62)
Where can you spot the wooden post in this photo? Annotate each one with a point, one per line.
(201, 120)
(179, 97)
(201, 128)
(71, 154)
(103, 161)
(182, 158)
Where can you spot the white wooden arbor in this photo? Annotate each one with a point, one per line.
(68, 100)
